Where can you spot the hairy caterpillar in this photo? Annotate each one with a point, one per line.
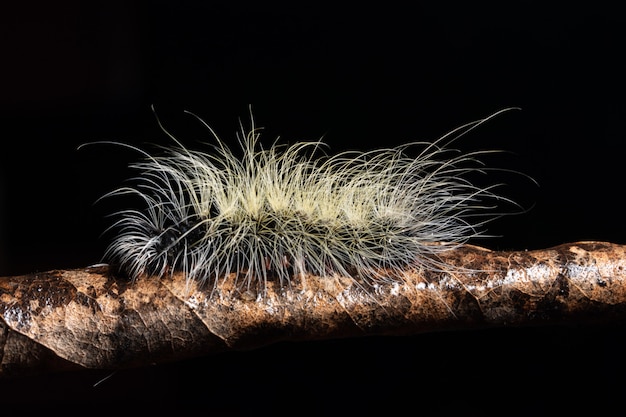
(281, 211)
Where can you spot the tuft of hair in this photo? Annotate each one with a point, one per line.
(284, 211)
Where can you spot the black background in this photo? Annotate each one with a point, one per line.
(362, 76)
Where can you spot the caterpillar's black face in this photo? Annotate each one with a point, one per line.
(175, 238)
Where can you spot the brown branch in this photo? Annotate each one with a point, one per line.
(87, 318)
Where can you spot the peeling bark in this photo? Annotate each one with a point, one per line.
(88, 318)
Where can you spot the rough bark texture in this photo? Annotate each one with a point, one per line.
(87, 318)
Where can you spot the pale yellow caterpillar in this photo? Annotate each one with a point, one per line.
(285, 210)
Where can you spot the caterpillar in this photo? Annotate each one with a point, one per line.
(282, 211)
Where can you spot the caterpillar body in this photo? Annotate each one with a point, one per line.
(286, 210)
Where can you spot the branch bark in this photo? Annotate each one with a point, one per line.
(88, 318)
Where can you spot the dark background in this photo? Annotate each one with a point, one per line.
(362, 76)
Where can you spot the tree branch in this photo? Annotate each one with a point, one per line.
(88, 318)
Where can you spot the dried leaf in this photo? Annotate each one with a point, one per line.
(88, 318)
